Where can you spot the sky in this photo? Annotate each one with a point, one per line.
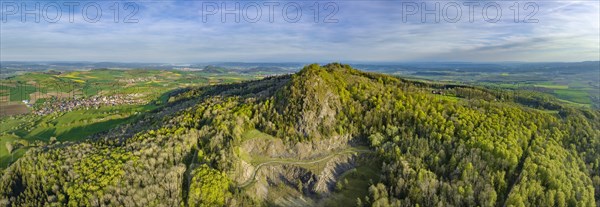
(300, 31)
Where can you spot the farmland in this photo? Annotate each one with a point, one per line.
(41, 90)
(574, 83)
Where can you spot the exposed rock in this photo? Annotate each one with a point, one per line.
(265, 148)
(243, 171)
(275, 148)
(314, 184)
(333, 169)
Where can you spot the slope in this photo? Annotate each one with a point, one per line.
(449, 145)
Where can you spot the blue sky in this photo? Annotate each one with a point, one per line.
(370, 31)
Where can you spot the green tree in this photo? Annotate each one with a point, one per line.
(376, 139)
(209, 187)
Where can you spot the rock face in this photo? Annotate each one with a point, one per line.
(308, 180)
(275, 148)
(243, 172)
(311, 102)
(333, 169)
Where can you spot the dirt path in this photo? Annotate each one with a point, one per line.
(298, 162)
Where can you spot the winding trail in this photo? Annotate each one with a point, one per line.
(299, 162)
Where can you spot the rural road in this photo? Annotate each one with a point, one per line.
(252, 177)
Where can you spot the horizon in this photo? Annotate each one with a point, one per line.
(300, 62)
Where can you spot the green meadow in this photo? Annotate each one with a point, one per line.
(28, 130)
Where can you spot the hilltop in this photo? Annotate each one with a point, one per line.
(327, 135)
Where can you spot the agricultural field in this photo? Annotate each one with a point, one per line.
(22, 94)
(76, 84)
(579, 89)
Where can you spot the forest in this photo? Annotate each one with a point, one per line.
(435, 144)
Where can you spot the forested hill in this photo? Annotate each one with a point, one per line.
(439, 145)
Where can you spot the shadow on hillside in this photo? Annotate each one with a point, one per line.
(170, 103)
(79, 133)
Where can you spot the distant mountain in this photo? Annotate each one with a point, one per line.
(266, 70)
(215, 69)
(244, 65)
(264, 67)
(508, 67)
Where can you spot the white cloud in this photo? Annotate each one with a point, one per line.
(367, 31)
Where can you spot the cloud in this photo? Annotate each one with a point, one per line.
(174, 31)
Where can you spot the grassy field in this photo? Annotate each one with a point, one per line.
(78, 124)
(70, 126)
(574, 89)
(577, 96)
(5, 157)
(552, 86)
(149, 83)
(74, 125)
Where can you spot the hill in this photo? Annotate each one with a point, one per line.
(327, 135)
(266, 70)
(214, 69)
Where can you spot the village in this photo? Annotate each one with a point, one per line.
(95, 102)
